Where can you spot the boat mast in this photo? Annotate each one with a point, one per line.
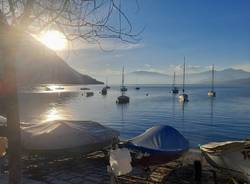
(174, 81)
(122, 76)
(213, 78)
(184, 68)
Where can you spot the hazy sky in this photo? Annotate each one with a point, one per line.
(205, 31)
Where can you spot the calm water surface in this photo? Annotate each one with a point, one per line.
(201, 120)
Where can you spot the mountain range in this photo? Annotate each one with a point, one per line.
(37, 64)
(148, 77)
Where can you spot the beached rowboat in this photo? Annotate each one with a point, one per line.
(232, 157)
(64, 136)
(158, 145)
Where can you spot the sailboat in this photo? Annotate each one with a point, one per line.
(123, 88)
(137, 87)
(107, 86)
(211, 92)
(123, 99)
(174, 88)
(183, 97)
(104, 91)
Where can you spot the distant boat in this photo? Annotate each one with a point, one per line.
(174, 88)
(211, 92)
(89, 93)
(123, 87)
(122, 99)
(183, 97)
(107, 86)
(231, 157)
(83, 88)
(104, 91)
(48, 89)
(137, 87)
(59, 88)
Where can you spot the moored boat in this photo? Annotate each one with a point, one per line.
(122, 99)
(104, 91)
(232, 157)
(89, 93)
(123, 87)
(84, 88)
(174, 88)
(183, 97)
(212, 93)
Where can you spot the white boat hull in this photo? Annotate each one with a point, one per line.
(231, 157)
(183, 98)
(211, 93)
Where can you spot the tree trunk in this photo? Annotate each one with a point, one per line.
(10, 39)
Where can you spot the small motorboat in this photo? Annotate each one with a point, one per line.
(66, 137)
(232, 157)
(48, 88)
(59, 88)
(123, 89)
(89, 93)
(137, 88)
(157, 145)
(84, 89)
(122, 99)
(175, 90)
(104, 91)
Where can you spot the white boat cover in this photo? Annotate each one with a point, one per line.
(65, 134)
(232, 156)
(120, 161)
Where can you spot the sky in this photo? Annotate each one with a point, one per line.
(206, 32)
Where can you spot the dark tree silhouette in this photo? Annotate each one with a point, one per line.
(90, 20)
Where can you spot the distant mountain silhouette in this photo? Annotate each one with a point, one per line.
(37, 64)
(148, 73)
(245, 81)
(148, 77)
(220, 76)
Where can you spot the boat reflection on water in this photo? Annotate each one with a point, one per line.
(123, 110)
(183, 116)
(212, 111)
(173, 108)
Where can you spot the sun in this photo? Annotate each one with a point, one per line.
(54, 40)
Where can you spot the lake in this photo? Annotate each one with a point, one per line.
(201, 120)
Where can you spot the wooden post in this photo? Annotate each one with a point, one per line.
(9, 43)
(3, 131)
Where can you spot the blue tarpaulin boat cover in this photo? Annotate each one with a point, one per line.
(162, 143)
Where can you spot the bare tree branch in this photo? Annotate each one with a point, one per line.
(85, 19)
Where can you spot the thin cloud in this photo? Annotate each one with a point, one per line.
(106, 45)
(245, 66)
